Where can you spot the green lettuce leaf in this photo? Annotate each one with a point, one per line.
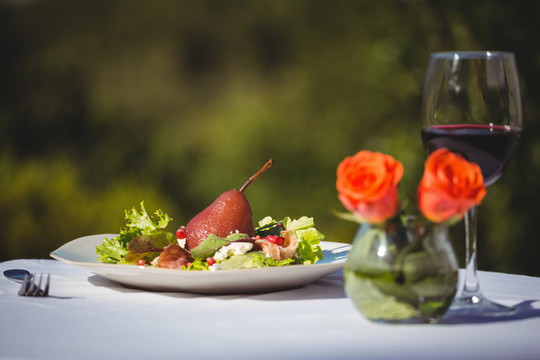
(114, 250)
(308, 250)
(145, 222)
(148, 247)
(197, 264)
(268, 226)
(213, 243)
(255, 259)
(298, 224)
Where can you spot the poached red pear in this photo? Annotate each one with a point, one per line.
(228, 214)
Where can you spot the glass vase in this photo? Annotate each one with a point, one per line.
(403, 271)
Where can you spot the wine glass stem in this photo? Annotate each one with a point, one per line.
(471, 286)
(471, 296)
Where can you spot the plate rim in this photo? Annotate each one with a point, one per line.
(54, 254)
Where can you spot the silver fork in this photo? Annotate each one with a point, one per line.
(30, 288)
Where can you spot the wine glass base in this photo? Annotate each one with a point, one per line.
(479, 306)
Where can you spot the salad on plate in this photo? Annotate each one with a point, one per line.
(144, 241)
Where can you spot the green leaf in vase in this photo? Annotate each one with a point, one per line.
(372, 302)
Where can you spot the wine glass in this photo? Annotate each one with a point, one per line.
(472, 105)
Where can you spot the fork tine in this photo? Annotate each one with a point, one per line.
(37, 287)
(46, 290)
(31, 286)
(24, 287)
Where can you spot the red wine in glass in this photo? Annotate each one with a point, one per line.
(471, 105)
(490, 146)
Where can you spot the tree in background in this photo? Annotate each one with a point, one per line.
(104, 104)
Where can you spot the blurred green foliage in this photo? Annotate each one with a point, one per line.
(104, 104)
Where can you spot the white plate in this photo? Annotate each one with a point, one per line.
(81, 252)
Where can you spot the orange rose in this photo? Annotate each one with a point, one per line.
(367, 185)
(450, 186)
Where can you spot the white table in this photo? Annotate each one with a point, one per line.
(89, 317)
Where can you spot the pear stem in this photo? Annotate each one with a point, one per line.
(269, 163)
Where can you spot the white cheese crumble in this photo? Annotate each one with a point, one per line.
(237, 248)
(181, 242)
(215, 267)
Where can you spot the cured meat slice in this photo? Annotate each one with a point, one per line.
(285, 251)
(173, 257)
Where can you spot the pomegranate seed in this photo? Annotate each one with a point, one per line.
(181, 234)
(275, 239)
(210, 261)
(140, 262)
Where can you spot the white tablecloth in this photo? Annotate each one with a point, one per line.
(89, 317)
